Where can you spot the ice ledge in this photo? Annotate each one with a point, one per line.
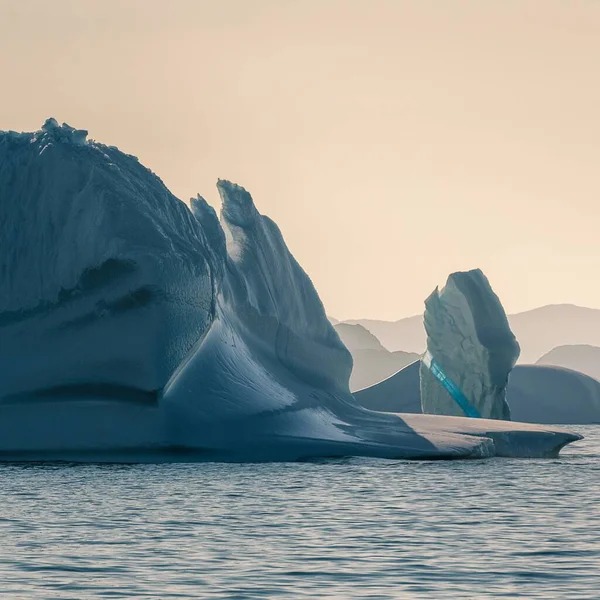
(510, 439)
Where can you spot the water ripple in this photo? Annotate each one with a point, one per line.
(352, 528)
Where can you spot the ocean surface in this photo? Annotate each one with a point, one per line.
(351, 528)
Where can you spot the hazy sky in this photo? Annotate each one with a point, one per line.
(393, 141)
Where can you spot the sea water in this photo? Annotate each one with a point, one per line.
(350, 528)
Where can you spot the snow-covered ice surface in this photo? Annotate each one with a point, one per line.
(470, 350)
(135, 329)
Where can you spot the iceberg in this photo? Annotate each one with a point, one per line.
(470, 350)
(535, 394)
(546, 394)
(399, 393)
(134, 328)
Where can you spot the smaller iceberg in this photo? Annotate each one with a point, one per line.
(546, 394)
(470, 350)
(398, 393)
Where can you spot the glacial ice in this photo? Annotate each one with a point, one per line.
(133, 328)
(546, 394)
(400, 392)
(470, 350)
(535, 394)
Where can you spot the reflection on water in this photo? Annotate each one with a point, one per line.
(353, 528)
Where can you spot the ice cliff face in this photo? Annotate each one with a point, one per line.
(134, 328)
(470, 350)
(106, 279)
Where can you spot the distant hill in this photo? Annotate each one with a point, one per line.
(406, 334)
(579, 357)
(542, 329)
(538, 331)
(372, 362)
(357, 337)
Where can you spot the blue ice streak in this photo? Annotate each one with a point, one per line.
(453, 389)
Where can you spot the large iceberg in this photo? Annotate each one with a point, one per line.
(535, 394)
(470, 350)
(135, 329)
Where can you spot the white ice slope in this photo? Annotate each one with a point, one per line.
(134, 329)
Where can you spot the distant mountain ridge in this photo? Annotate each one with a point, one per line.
(357, 337)
(538, 331)
(579, 357)
(542, 329)
(372, 362)
(405, 334)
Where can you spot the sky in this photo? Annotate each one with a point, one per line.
(393, 141)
